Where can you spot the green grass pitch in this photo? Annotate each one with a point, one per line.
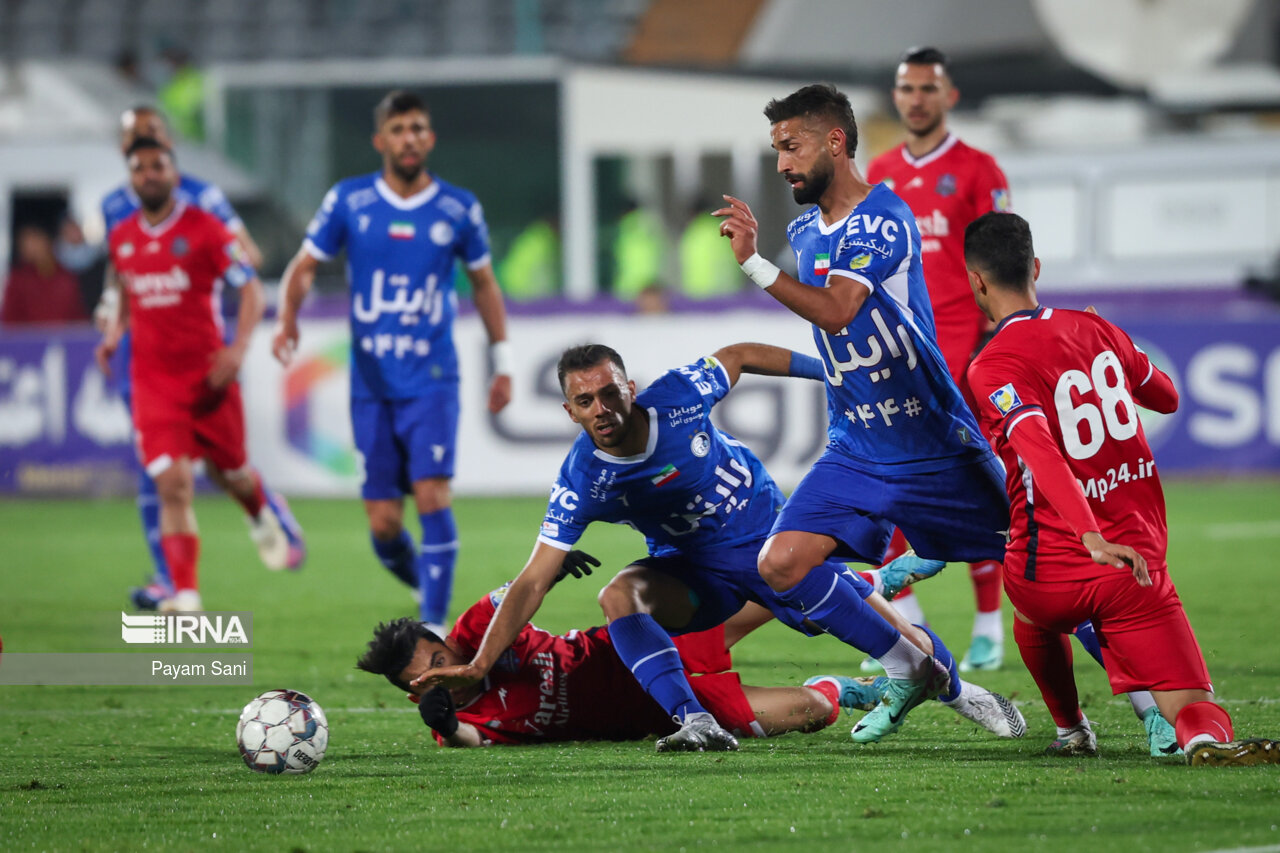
(115, 768)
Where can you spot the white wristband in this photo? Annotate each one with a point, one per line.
(500, 353)
(761, 271)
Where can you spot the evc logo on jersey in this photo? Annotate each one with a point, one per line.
(1005, 399)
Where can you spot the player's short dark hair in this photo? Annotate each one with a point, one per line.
(999, 246)
(819, 101)
(584, 357)
(148, 143)
(925, 56)
(393, 646)
(397, 102)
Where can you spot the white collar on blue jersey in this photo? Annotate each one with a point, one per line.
(400, 203)
(649, 446)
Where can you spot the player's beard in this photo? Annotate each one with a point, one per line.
(408, 174)
(921, 132)
(154, 201)
(813, 183)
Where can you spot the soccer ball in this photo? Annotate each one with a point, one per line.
(282, 731)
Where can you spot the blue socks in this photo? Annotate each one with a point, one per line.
(943, 656)
(399, 556)
(1089, 639)
(831, 602)
(435, 564)
(149, 513)
(648, 652)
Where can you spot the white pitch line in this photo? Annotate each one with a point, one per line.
(1268, 848)
(1244, 530)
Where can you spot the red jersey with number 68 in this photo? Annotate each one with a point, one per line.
(172, 274)
(1083, 378)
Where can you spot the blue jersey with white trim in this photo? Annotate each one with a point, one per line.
(891, 402)
(694, 488)
(121, 203)
(401, 254)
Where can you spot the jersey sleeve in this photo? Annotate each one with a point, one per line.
(473, 238)
(1036, 447)
(1002, 394)
(709, 379)
(213, 200)
(990, 188)
(565, 519)
(871, 258)
(469, 630)
(229, 259)
(327, 231)
(1151, 387)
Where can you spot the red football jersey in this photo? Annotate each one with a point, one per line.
(1080, 376)
(946, 189)
(172, 273)
(550, 687)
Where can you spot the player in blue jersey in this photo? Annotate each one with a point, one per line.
(276, 534)
(903, 448)
(704, 503)
(404, 229)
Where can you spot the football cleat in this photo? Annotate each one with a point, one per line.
(182, 601)
(292, 530)
(1239, 753)
(149, 597)
(856, 694)
(1080, 740)
(900, 696)
(984, 654)
(899, 574)
(277, 536)
(1161, 738)
(990, 710)
(699, 733)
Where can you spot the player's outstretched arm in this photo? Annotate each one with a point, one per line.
(830, 308)
(493, 313)
(522, 600)
(295, 284)
(767, 360)
(227, 361)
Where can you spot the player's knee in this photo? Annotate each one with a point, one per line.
(778, 568)
(618, 598)
(384, 526)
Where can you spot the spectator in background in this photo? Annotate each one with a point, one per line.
(182, 97)
(706, 269)
(531, 268)
(40, 290)
(639, 252)
(86, 261)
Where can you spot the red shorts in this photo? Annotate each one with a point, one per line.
(1147, 642)
(199, 424)
(721, 694)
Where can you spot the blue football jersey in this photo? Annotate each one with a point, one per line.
(694, 488)
(120, 203)
(401, 254)
(891, 402)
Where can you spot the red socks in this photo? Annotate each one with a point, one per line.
(256, 500)
(1048, 657)
(832, 693)
(1203, 718)
(181, 553)
(986, 579)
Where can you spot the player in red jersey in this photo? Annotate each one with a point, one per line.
(170, 257)
(1055, 391)
(947, 185)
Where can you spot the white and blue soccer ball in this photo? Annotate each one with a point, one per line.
(282, 731)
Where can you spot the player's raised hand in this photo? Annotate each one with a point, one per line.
(499, 392)
(739, 226)
(463, 675)
(284, 343)
(1106, 553)
(225, 365)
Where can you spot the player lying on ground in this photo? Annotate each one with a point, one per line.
(172, 258)
(1056, 392)
(550, 687)
(704, 502)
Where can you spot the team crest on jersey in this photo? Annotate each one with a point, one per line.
(442, 233)
(860, 261)
(1000, 201)
(888, 182)
(700, 445)
(126, 250)
(1005, 399)
(946, 185)
(180, 247)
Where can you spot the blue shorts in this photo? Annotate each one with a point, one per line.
(721, 583)
(403, 441)
(959, 514)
